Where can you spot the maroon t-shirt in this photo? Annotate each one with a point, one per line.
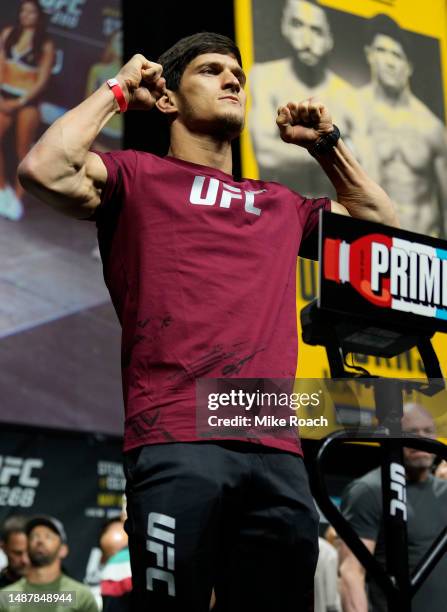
(201, 271)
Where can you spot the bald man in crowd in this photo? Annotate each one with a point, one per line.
(45, 583)
(305, 73)
(427, 516)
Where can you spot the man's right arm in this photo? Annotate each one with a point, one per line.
(352, 579)
(60, 170)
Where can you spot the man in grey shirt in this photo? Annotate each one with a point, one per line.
(427, 516)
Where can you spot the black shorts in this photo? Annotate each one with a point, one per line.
(231, 516)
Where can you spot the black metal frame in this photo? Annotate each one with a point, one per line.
(397, 583)
(401, 590)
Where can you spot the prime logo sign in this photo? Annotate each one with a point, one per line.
(391, 273)
(371, 270)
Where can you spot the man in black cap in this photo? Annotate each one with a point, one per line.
(47, 547)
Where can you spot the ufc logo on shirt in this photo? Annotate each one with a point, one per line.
(205, 192)
(161, 539)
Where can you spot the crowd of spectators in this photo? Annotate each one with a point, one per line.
(35, 548)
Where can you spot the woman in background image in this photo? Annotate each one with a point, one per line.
(111, 135)
(26, 60)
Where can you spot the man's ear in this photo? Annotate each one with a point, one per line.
(63, 551)
(167, 104)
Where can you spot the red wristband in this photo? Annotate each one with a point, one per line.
(118, 93)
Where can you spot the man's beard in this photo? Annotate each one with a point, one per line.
(307, 58)
(224, 127)
(419, 463)
(42, 559)
(311, 75)
(229, 126)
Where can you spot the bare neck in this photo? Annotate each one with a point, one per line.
(27, 35)
(44, 575)
(202, 149)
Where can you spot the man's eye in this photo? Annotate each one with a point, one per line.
(295, 22)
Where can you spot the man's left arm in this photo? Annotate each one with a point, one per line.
(308, 122)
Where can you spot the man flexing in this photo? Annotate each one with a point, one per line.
(201, 271)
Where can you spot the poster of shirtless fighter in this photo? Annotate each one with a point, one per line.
(380, 68)
(380, 75)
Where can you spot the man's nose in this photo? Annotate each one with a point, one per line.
(231, 80)
(306, 38)
(390, 60)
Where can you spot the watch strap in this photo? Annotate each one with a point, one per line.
(326, 143)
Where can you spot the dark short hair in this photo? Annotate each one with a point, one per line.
(177, 57)
(383, 24)
(327, 14)
(14, 524)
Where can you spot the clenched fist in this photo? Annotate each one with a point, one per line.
(141, 82)
(304, 123)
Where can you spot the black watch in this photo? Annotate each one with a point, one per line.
(326, 143)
